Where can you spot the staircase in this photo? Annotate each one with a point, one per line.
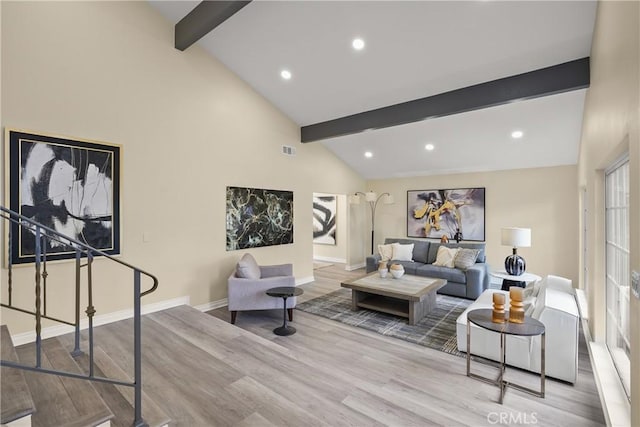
(58, 381)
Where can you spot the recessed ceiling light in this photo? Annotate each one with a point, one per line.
(285, 74)
(429, 147)
(368, 154)
(517, 134)
(358, 44)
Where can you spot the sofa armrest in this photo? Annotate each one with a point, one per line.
(276, 270)
(560, 284)
(477, 279)
(372, 262)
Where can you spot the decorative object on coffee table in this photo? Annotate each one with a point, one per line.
(397, 270)
(516, 311)
(498, 308)
(284, 292)
(516, 238)
(444, 239)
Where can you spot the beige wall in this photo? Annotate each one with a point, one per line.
(610, 128)
(188, 126)
(337, 252)
(543, 199)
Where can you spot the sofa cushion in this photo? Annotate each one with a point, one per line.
(465, 258)
(420, 247)
(449, 274)
(248, 268)
(446, 257)
(433, 250)
(386, 252)
(402, 252)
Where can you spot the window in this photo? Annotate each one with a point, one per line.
(617, 268)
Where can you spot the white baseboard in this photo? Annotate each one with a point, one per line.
(212, 305)
(102, 319)
(330, 259)
(304, 280)
(355, 266)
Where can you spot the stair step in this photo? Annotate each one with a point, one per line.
(119, 398)
(15, 399)
(62, 401)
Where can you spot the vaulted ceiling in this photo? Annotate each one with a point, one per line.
(413, 50)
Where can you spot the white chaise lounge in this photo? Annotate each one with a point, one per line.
(555, 306)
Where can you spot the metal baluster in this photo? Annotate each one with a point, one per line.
(76, 349)
(43, 246)
(90, 310)
(38, 314)
(10, 261)
(137, 351)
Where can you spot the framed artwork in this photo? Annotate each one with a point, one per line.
(258, 217)
(68, 184)
(324, 218)
(457, 212)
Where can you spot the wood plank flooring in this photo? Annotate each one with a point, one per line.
(204, 371)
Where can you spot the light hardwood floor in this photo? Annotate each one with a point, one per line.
(204, 371)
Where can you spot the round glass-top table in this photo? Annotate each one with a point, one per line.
(284, 292)
(530, 327)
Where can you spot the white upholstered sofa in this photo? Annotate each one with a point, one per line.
(555, 306)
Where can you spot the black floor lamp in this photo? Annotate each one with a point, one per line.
(373, 199)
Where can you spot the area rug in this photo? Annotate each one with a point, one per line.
(437, 330)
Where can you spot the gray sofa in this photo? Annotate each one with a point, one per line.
(466, 284)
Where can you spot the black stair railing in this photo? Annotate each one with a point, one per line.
(44, 234)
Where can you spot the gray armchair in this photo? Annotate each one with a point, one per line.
(249, 282)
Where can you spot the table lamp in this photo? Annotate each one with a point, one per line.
(516, 238)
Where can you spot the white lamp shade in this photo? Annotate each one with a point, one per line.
(354, 199)
(388, 200)
(370, 196)
(516, 237)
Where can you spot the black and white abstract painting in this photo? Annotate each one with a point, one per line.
(69, 185)
(258, 217)
(457, 213)
(324, 218)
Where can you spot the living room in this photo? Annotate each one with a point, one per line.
(189, 127)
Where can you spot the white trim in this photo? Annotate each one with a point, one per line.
(616, 406)
(583, 309)
(212, 305)
(304, 280)
(103, 319)
(355, 266)
(330, 259)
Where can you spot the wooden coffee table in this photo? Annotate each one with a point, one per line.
(409, 296)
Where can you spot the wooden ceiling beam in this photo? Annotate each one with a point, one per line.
(547, 81)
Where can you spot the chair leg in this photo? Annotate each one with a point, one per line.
(233, 317)
(290, 311)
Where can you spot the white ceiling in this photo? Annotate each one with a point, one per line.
(413, 49)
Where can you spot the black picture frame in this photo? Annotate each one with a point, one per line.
(258, 217)
(434, 213)
(69, 184)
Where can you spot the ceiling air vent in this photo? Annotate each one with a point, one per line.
(289, 151)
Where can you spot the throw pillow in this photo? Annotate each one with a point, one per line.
(446, 257)
(248, 268)
(385, 251)
(529, 304)
(532, 289)
(465, 258)
(402, 252)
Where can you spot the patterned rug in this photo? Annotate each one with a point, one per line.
(437, 330)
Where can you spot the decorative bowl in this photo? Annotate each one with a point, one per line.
(397, 273)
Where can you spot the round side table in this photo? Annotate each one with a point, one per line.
(509, 280)
(284, 292)
(530, 327)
